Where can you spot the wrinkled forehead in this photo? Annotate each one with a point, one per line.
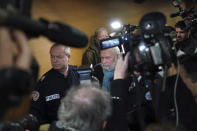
(107, 52)
(57, 50)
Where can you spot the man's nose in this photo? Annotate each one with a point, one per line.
(103, 60)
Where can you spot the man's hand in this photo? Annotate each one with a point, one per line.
(9, 57)
(121, 69)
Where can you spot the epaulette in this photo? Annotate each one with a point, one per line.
(42, 78)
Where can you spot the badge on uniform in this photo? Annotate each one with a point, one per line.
(42, 78)
(148, 96)
(52, 97)
(35, 95)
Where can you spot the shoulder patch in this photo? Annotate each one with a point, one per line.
(148, 96)
(35, 95)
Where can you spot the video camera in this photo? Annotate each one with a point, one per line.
(150, 48)
(84, 74)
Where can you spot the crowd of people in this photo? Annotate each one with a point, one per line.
(118, 101)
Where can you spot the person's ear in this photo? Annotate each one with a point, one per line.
(68, 57)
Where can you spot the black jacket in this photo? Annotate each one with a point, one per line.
(117, 121)
(187, 107)
(133, 108)
(98, 73)
(48, 93)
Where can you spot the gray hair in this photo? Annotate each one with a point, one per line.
(85, 108)
(99, 30)
(66, 48)
(116, 50)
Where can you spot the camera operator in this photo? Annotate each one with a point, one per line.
(15, 83)
(184, 44)
(182, 32)
(188, 73)
(176, 103)
(105, 70)
(133, 101)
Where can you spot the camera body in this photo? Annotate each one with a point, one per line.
(150, 47)
(85, 75)
(110, 42)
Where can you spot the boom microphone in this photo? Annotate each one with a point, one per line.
(55, 31)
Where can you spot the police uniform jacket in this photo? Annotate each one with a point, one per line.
(48, 92)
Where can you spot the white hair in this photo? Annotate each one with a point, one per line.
(66, 48)
(116, 50)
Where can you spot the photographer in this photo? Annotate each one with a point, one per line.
(176, 104)
(16, 65)
(120, 88)
(188, 73)
(15, 83)
(182, 32)
(184, 44)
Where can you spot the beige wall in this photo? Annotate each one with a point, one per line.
(87, 15)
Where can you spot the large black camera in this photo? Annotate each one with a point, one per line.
(150, 48)
(85, 75)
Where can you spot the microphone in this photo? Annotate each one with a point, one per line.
(54, 31)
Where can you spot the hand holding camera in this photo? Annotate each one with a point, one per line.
(22, 59)
(121, 69)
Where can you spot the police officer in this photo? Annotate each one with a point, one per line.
(53, 85)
